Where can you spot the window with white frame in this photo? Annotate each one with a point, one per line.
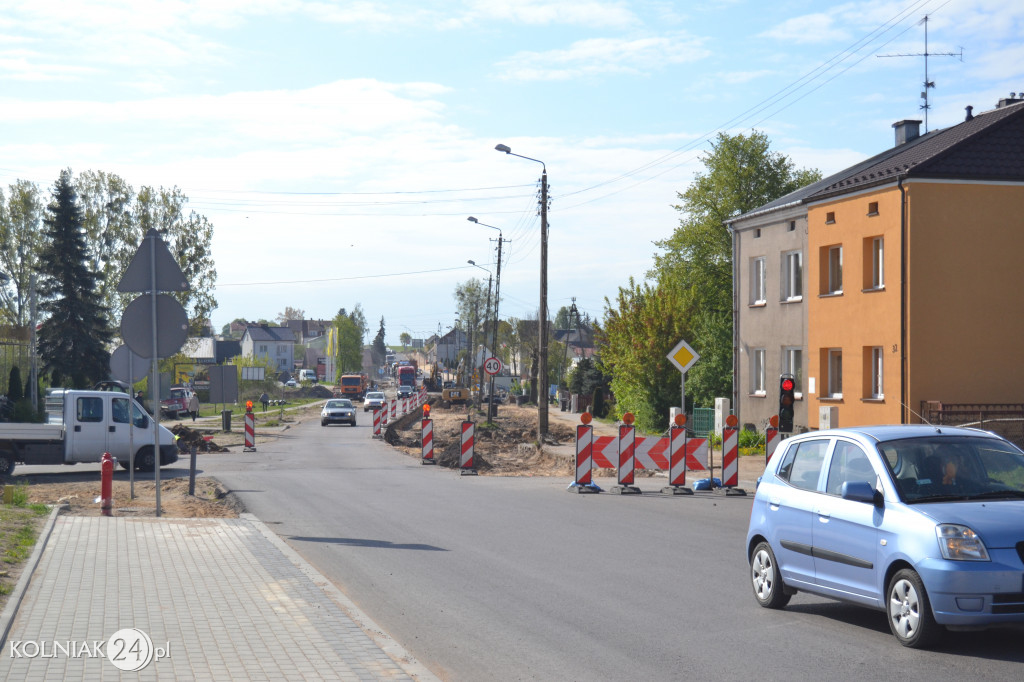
(835, 373)
(757, 376)
(792, 276)
(835, 270)
(793, 363)
(876, 373)
(758, 281)
(877, 263)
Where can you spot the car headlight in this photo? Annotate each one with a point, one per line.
(960, 543)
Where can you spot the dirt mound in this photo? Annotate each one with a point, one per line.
(505, 447)
(211, 500)
(200, 439)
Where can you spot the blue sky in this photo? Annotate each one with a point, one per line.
(338, 147)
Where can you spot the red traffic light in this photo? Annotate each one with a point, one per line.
(787, 384)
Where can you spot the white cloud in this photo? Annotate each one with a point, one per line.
(545, 12)
(808, 29)
(597, 56)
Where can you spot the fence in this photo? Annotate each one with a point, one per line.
(1005, 419)
(702, 421)
(15, 350)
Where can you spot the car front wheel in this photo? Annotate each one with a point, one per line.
(910, 613)
(769, 590)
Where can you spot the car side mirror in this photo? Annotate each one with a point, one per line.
(860, 491)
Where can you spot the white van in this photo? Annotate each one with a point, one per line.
(307, 375)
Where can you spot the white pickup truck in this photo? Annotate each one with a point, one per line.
(81, 426)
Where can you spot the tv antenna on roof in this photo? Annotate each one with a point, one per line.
(927, 83)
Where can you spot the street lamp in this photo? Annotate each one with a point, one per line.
(497, 301)
(542, 322)
(487, 312)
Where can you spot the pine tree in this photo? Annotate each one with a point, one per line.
(74, 338)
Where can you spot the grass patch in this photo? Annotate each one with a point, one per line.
(19, 529)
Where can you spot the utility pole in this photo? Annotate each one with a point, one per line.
(542, 409)
(491, 407)
(928, 85)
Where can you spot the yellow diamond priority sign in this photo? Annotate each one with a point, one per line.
(683, 357)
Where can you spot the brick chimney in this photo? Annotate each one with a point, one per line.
(906, 131)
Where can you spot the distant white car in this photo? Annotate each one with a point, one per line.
(291, 383)
(373, 400)
(338, 410)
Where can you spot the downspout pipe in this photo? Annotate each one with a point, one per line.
(735, 324)
(904, 407)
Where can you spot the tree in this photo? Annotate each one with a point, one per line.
(742, 173)
(74, 338)
(20, 240)
(405, 338)
(378, 349)
(110, 229)
(291, 313)
(349, 356)
(639, 330)
(359, 319)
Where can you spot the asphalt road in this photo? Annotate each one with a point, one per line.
(486, 578)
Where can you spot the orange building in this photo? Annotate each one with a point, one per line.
(911, 277)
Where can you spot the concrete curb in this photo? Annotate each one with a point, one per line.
(11, 607)
(389, 646)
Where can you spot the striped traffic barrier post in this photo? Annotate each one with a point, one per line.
(771, 439)
(250, 431)
(376, 422)
(394, 409)
(584, 457)
(384, 413)
(730, 457)
(677, 459)
(427, 437)
(466, 465)
(627, 458)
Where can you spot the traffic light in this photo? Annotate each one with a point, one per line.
(787, 396)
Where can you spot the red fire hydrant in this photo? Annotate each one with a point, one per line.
(106, 484)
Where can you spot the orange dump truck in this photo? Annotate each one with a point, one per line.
(354, 385)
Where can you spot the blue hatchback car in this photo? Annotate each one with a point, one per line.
(925, 523)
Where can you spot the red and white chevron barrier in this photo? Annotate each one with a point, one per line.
(427, 440)
(376, 422)
(394, 409)
(466, 466)
(650, 453)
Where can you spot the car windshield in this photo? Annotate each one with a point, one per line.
(375, 396)
(339, 403)
(941, 468)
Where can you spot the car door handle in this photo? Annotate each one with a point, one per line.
(78, 427)
(112, 428)
(823, 516)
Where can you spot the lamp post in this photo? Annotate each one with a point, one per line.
(497, 300)
(487, 312)
(542, 322)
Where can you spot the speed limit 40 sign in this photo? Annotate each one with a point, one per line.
(492, 366)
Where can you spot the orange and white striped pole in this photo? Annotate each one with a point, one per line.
(466, 465)
(427, 437)
(584, 456)
(730, 457)
(376, 422)
(627, 458)
(677, 459)
(771, 438)
(250, 429)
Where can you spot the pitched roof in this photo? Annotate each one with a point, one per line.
(265, 333)
(989, 146)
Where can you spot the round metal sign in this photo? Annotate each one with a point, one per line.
(127, 366)
(171, 326)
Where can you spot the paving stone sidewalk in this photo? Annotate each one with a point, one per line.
(219, 599)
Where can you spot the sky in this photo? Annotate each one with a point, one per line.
(338, 148)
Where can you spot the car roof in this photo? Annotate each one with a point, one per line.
(887, 432)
